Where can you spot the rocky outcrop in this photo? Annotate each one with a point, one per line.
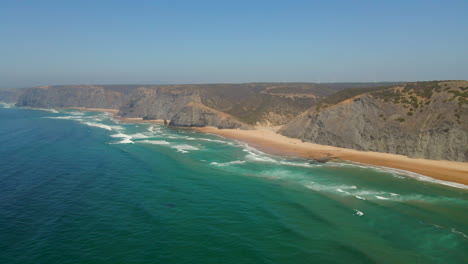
(251, 103)
(421, 123)
(198, 115)
(161, 102)
(72, 96)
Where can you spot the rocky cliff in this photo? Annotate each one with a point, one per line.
(73, 96)
(198, 115)
(236, 105)
(252, 104)
(426, 119)
(158, 102)
(10, 95)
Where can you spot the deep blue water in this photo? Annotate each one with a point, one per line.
(79, 188)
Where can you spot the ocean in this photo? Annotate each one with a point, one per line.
(79, 187)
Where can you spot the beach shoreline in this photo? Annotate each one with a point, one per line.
(270, 142)
(266, 139)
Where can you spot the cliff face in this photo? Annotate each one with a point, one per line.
(427, 120)
(10, 95)
(161, 102)
(72, 96)
(259, 103)
(198, 115)
(250, 104)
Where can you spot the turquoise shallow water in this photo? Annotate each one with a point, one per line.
(79, 188)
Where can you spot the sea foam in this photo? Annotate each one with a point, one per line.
(126, 139)
(92, 124)
(138, 136)
(381, 198)
(184, 148)
(403, 174)
(228, 163)
(359, 212)
(256, 155)
(154, 142)
(6, 105)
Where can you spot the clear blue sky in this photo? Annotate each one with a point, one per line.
(60, 42)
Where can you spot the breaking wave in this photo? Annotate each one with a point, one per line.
(184, 148)
(359, 213)
(228, 163)
(6, 105)
(99, 125)
(126, 139)
(154, 142)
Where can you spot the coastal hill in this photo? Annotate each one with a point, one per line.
(421, 119)
(243, 105)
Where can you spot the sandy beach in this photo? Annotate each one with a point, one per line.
(266, 139)
(270, 142)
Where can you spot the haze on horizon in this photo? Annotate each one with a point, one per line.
(152, 42)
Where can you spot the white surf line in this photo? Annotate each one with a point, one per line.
(409, 174)
(228, 163)
(126, 139)
(381, 197)
(404, 173)
(459, 232)
(50, 110)
(93, 124)
(7, 105)
(257, 157)
(184, 148)
(154, 142)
